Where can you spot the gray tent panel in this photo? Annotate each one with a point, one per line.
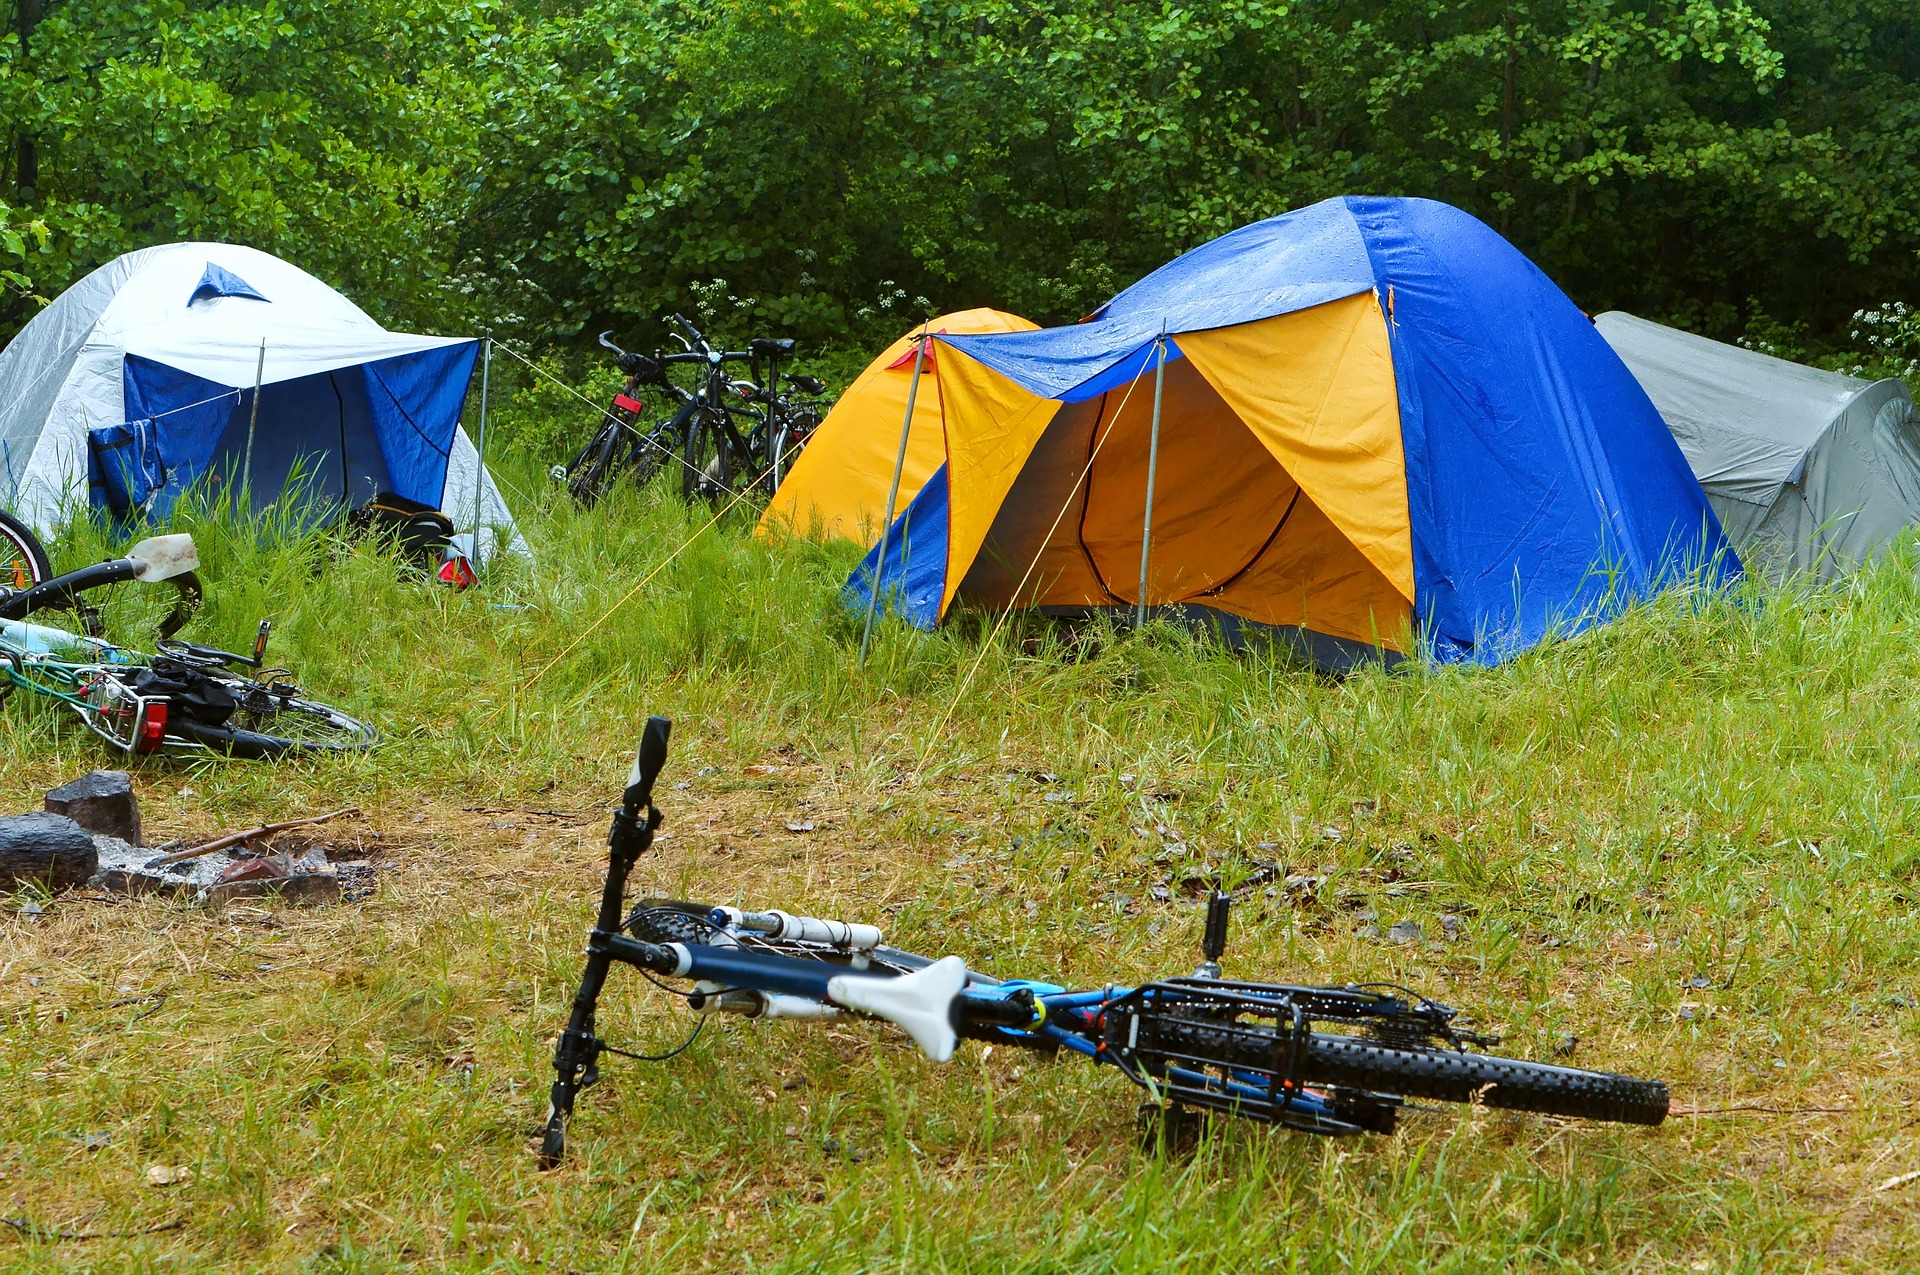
(1808, 471)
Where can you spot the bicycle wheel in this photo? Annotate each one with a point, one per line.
(790, 438)
(651, 452)
(268, 720)
(1445, 1075)
(23, 559)
(707, 461)
(592, 471)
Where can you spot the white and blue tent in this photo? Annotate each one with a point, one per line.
(139, 382)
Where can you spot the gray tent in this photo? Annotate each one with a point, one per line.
(1808, 471)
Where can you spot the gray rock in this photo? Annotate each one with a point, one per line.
(102, 803)
(45, 849)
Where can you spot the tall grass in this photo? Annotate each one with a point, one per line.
(1681, 845)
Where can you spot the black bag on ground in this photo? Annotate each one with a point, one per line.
(421, 533)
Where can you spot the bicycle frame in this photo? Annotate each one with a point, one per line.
(1199, 1043)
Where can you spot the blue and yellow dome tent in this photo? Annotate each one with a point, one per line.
(1382, 427)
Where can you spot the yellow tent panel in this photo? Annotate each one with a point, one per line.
(1246, 489)
(838, 486)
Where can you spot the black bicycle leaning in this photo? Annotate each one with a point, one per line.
(723, 435)
(1330, 1060)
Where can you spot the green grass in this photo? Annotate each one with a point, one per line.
(1713, 788)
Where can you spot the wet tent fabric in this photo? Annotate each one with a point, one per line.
(138, 382)
(838, 486)
(1382, 423)
(1809, 471)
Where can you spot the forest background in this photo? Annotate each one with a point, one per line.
(827, 168)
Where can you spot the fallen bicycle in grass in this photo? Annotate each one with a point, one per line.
(183, 697)
(1330, 1060)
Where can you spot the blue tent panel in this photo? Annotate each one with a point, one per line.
(186, 415)
(221, 282)
(416, 401)
(341, 436)
(915, 572)
(1545, 492)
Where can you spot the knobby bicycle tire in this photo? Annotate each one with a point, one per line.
(23, 559)
(589, 481)
(1444, 1075)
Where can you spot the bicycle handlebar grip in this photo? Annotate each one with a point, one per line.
(692, 333)
(1214, 941)
(992, 1011)
(648, 762)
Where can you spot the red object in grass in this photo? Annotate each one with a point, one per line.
(458, 572)
(152, 729)
(626, 404)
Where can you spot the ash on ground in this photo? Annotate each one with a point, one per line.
(297, 870)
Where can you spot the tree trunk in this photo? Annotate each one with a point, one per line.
(26, 169)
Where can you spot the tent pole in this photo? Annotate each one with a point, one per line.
(480, 446)
(253, 419)
(893, 495)
(1153, 464)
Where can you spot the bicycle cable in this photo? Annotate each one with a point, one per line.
(675, 1052)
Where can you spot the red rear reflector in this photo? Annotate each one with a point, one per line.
(152, 731)
(626, 404)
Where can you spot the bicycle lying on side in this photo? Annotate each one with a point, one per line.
(1328, 1060)
(716, 443)
(184, 696)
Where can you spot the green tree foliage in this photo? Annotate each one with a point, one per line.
(336, 135)
(1693, 160)
(556, 166)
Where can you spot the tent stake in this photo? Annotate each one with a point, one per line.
(1153, 464)
(893, 495)
(253, 419)
(480, 447)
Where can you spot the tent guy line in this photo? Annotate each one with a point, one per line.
(1006, 613)
(628, 596)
